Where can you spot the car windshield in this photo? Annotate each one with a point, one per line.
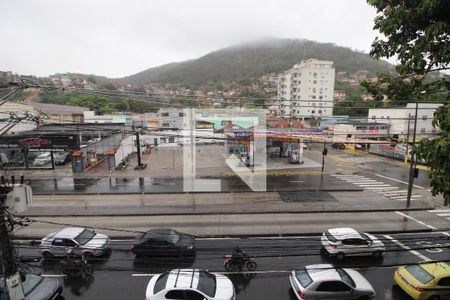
(303, 277)
(173, 237)
(419, 273)
(85, 236)
(207, 283)
(31, 282)
(366, 237)
(330, 237)
(345, 277)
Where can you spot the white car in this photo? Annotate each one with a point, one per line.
(341, 242)
(43, 159)
(324, 281)
(81, 241)
(192, 284)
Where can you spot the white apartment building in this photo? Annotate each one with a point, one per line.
(306, 90)
(397, 118)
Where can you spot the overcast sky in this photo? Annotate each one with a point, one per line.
(119, 38)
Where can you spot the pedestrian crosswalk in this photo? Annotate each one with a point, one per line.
(444, 213)
(378, 186)
(363, 159)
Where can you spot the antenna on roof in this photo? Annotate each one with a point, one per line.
(176, 279)
(192, 277)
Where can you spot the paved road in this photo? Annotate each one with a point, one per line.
(216, 225)
(122, 276)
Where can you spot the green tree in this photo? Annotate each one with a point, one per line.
(436, 152)
(417, 32)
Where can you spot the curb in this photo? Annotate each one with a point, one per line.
(240, 212)
(19, 238)
(187, 193)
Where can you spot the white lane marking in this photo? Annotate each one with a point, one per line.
(373, 185)
(439, 211)
(393, 179)
(414, 219)
(397, 192)
(222, 273)
(53, 275)
(360, 180)
(444, 215)
(121, 240)
(421, 256)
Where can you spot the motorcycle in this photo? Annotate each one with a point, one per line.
(77, 267)
(238, 263)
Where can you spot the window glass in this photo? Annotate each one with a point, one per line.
(175, 294)
(303, 277)
(85, 236)
(161, 282)
(207, 283)
(57, 242)
(194, 295)
(419, 273)
(330, 237)
(444, 281)
(338, 286)
(345, 277)
(173, 237)
(31, 282)
(324, 287)
(69, 243)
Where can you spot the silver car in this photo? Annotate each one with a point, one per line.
(36, 287)
(327, 282)
(341, 242)
(81, 241)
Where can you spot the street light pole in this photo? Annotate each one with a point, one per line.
(412, 161)
(407, 138)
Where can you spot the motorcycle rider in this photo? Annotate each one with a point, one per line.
(238, 256)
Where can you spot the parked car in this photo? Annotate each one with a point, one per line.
(36, 287)
(339, 146)
(96, 140)
(81, 241)
(43, 159)
(164, 242)
(323, 281)
(192, 284)
(427, 280)
(341, 242)
(62, 158)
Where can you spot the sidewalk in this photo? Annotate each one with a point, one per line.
(215, 203)
(222, 214)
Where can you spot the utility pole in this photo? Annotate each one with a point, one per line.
(412, 161)
(140, 165)
(324, 152)
(407, 139)
(9, 267)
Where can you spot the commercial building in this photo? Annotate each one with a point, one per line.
(350, 129)
(399, 118)
(306, 90)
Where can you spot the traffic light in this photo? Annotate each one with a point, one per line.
(416, 173)
(325, 151)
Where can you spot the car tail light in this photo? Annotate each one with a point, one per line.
(333, 246)
(301, 294)
(419, 289)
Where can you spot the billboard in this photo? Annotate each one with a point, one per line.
(40, 142)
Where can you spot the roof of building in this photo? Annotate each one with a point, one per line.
(358, 123)
(58, 109)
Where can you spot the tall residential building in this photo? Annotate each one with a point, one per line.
(306, 90)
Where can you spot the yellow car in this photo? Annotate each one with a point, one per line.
(425, 281)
